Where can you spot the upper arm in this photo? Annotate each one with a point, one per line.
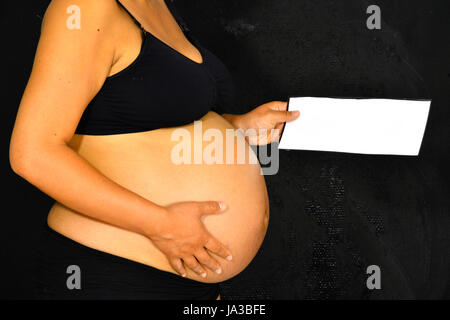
(69, 69)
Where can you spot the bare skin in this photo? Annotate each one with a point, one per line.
(111, 192)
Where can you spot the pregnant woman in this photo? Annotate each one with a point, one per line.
(111, 83)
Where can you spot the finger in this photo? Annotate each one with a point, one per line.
(214, 246)
(205, 259)
(278, 106)
(276, 133)
(193, 264)
(275, 136)
(177, 265)
(211, 207)
(279, 126)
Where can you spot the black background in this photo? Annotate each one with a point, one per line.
(332, 214)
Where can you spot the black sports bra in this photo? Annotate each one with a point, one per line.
(161, 88)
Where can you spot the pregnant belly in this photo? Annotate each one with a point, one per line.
(148, 164)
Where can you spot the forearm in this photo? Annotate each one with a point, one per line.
(237, 120)
(69, 179)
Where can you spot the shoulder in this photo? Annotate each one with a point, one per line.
(80, 15)
(80, 27)
(78, 40)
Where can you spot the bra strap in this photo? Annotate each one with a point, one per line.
(129, 13)
(173, 9)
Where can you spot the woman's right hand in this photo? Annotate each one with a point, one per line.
(183, 237)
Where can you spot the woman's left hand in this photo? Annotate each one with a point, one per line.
(266, 121)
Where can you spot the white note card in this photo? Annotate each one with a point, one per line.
(366, 126)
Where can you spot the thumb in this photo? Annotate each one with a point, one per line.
(292, 115)
(211, 207)
(286, 116)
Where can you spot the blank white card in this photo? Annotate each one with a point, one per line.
(366, 126)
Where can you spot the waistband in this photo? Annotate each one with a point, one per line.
(104, 271)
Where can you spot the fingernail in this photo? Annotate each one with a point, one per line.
(203, 275)
(229, 258)
(184, 275)
(219, 271)
(222, 205)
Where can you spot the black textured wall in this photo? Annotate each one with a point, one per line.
(332, 215)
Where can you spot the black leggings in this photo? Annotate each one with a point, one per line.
(106, 276)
